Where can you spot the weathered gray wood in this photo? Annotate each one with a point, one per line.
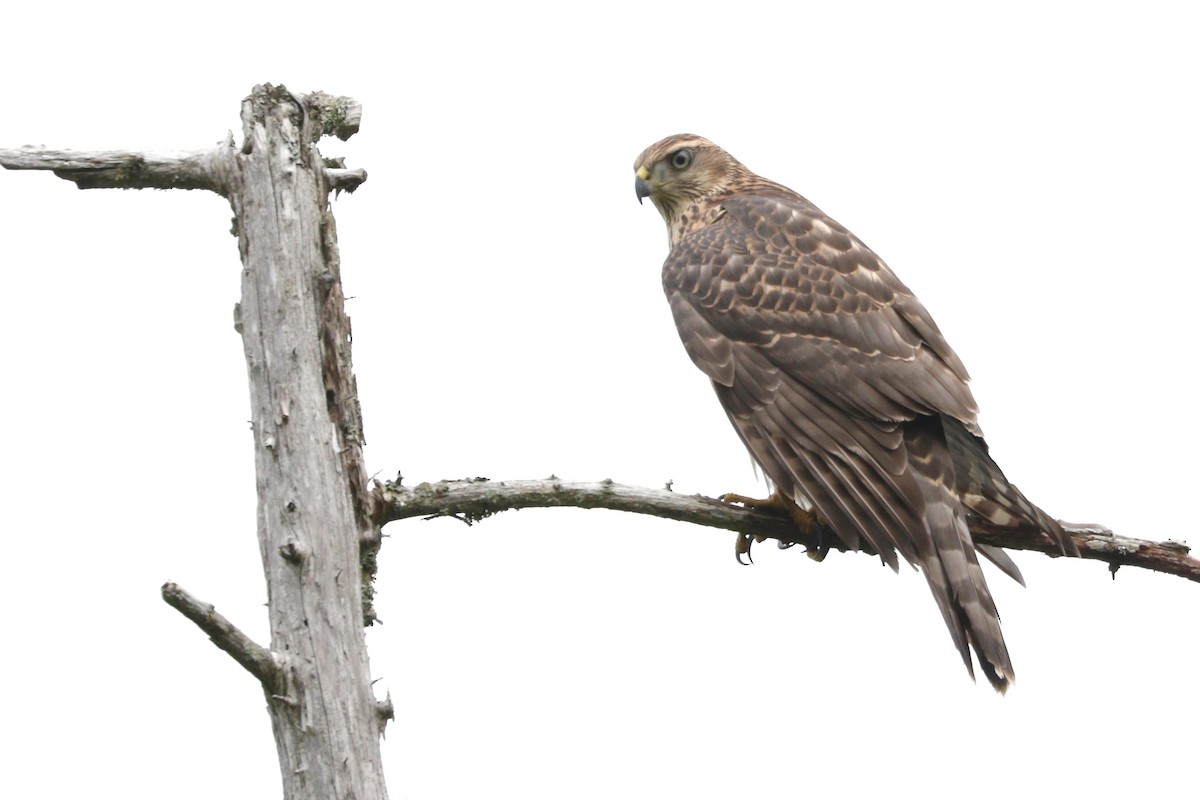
(314, 525)
(257, 660)
(312, 510)
(474, 499)
(213, 169)
(124, 169)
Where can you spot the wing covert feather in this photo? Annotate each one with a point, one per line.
(844, 391)
(774, 272)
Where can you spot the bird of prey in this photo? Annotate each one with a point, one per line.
(837, 380)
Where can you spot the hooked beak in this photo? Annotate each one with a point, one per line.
(640, 186)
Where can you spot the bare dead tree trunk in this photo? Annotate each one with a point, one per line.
(312, 510)
(314, 528)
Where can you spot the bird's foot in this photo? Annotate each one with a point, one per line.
(813, 527)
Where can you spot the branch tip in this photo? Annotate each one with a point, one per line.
(254, 658)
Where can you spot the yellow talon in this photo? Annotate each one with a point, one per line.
(807, 521)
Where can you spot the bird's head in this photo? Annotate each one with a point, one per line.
(681, 171)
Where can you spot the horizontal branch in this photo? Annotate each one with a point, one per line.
(256, 659)
(194, 169)
(125, 169)
(475, 499)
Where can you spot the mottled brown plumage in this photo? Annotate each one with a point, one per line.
(836, 378)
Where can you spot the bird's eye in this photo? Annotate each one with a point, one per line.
(681, 159)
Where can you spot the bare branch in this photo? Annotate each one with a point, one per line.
(345, 180)
(124, 169)
(336, 115)
(475, 499)
(256, 659)
(385, 712)
(195, 169)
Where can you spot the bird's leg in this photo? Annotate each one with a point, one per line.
(807, 521)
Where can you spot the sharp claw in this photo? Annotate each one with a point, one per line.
(823, 536)
(807, 521)
(742, 548)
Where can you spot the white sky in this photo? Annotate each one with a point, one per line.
(1030, 171)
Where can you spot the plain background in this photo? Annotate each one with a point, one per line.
(1029, 169)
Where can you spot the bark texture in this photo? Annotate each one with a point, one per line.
(315, 527)
(312, 510)
(474, 499)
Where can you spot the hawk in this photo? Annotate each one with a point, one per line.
(838, 382)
